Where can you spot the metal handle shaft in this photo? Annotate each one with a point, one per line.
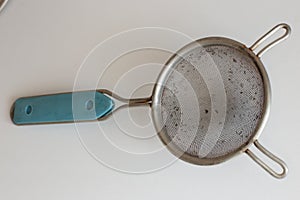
(129, 102)
(280, 162)
(287, 29)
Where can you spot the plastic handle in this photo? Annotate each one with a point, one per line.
(61, 108)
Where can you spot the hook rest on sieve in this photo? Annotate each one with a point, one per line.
(259, 42)
(261, 163)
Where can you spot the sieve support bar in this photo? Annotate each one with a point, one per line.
(258, 43)
(277, 160)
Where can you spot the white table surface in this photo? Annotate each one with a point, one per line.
(42, 46)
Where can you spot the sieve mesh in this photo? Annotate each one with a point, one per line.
(244, 94)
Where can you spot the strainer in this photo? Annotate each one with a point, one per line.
(210, 102)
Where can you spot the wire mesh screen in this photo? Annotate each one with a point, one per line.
(188, 95)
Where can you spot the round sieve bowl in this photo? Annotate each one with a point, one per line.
(239, 59)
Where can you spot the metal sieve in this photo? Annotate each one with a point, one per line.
(210, 102)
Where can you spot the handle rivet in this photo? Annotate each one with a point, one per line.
(28, 110)
(89, 105)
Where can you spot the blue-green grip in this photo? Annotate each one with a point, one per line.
(61, 108)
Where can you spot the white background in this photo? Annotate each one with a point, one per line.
(43, 43)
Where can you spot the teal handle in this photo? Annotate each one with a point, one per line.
(61, 108)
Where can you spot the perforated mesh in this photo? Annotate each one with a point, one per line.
(243, 105)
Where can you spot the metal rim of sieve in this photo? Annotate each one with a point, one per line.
(244, 148)
(168, 69)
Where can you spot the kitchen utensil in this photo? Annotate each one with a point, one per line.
(210, 103)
